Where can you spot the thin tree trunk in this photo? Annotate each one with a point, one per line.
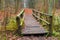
(16, 6)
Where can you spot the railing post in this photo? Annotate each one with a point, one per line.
(18, 21)
(36, 14)
(18, 25)
(50, 26)
(40, 17)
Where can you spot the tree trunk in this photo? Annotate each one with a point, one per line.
(16, 6)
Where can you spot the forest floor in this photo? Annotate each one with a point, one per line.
(10, 36)
(57, 12)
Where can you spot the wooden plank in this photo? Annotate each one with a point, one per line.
(33, 30)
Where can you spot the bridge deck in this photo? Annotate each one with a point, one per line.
(31, 25)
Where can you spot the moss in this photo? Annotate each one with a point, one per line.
(11, 25)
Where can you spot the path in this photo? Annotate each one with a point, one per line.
(31, 24)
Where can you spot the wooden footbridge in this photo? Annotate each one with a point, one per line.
(31, 22)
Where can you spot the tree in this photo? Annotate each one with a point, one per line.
(16, 5)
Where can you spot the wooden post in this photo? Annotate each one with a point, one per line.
(50, 7)
(50, 26)
(40, 17)
(18, 21)
(36, 15)
(18, 25)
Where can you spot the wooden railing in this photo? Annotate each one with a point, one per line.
(38, 15)
(18, 18)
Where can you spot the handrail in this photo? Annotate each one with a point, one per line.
(41, 12)
(20, 13)
(38, 14)
(41, 19)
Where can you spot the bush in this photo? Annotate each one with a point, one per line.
(12, 24)
(56, 25)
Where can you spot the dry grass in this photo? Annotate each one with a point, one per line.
(57, 12)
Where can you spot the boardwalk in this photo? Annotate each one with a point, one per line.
(31, 27)
(31, 24)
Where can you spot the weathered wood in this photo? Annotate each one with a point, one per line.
(50, 26)
(31, 25)
(47, 15)
(21, 13)
(35, 11)
(18, 25)
(34, 30)
(41, 19)
(50, 8)
(18, 18)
